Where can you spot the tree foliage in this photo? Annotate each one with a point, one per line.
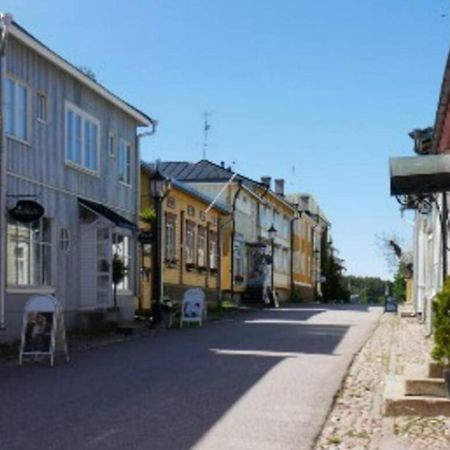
(368, 289)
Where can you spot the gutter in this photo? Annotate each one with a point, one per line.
(233, 233)
(137, 145)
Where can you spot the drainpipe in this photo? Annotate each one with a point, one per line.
(6, 21)
(233, 233)
(296, 217)
(137, 145)
(444, 219)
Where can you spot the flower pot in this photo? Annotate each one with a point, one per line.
(446, 374)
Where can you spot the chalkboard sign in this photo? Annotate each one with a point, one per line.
(43, 331)
(193, 307)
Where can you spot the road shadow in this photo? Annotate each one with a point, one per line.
(163, 392)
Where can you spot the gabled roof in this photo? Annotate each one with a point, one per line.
(30, 41)
(150, 169)
(442, 107)
(208, 171)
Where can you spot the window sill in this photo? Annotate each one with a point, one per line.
(82, 169)
(123, 183)
(16, 139)
(30, 290)
(44, 122)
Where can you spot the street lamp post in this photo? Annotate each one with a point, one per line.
(272, 231)
(159, 186)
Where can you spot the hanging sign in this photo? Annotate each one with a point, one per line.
(43, 331)
(26, 211)
(145, 237)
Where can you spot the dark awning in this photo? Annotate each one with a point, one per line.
(107, 213)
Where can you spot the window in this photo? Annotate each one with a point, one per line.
(191, 211)
(170, 239)
(121, 248)
(16, 109)
(238, 264)
(171, 202)
(124, 162)
(213, 254)
(190, 242)
(41, 107)
(82, 139)
(112, 145)
(201, 247)
(29, 253)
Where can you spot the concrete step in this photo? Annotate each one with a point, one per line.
(397, 403)
(431, 387)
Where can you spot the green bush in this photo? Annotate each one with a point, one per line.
(441, 324)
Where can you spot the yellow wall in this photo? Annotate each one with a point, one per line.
(183, 206)
(303, 251)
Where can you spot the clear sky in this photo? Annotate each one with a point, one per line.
(330, 88)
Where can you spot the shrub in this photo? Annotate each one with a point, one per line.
(441, 324)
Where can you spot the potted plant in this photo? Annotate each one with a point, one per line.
(119, 271)
(239, 278)
(441, 324)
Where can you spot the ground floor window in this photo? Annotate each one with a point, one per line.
(121, 249)
(29, 252)
(213, 253)
(190, 242)
(201, 247)
(170, 226)
(238, 263)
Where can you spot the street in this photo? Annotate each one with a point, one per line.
(263, 380)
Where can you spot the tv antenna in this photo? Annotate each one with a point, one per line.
(206, 127)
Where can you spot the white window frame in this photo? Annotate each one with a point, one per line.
(170, 235)
(190, 242)
(41, 97)
(27, 243)
(112, 149)
(15, 109)
(126, 182)
(84, 117)
(124, 251)
(201, 246)
(213, 250)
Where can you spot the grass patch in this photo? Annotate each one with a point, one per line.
(334, 440)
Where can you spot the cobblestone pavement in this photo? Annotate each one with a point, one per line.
(355, 421)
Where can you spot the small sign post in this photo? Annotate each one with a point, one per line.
(193, 307)
(43, 331)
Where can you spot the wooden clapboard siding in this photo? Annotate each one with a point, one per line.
(43, 159)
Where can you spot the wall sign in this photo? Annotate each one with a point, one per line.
(27, 211)
(43, 331)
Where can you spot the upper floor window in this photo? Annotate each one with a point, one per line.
(82, 138)
(124, 161)
(16, 109)
(112, 145)
(41, 107)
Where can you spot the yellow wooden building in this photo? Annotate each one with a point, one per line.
(192, 242)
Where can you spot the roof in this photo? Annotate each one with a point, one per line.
(208, 171)
(150, 169)
(30, 41)
(442, 107)
(107, 213)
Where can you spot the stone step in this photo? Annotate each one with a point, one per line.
(432, 387)
(396, 403)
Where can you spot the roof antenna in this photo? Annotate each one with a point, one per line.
(206, 128)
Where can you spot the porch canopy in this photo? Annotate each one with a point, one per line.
(107, 213)
(425, 174)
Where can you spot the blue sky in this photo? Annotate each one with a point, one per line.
(328, 87)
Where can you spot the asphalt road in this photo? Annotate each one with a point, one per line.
(264, 380)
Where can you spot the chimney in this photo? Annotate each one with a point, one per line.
(266, 181)
(279, 187)
(222, 164)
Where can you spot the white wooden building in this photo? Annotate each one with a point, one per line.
(70, 145)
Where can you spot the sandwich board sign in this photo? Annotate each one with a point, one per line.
(193, 307)
(43, 331)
